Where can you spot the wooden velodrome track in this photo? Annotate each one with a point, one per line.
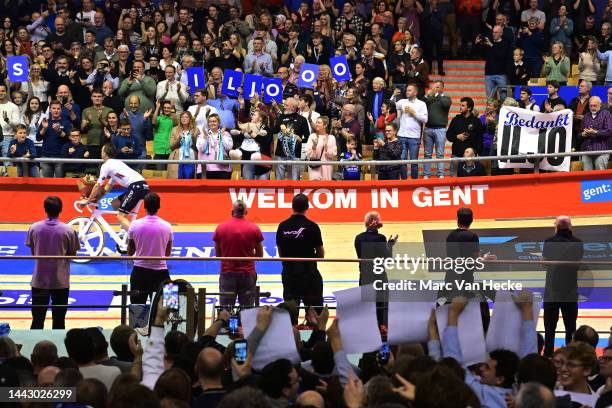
(338, 242)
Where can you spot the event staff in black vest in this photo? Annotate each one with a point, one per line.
(299, 237)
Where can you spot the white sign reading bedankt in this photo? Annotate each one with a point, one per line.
(524, 132)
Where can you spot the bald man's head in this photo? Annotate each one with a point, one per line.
(311, 399)
(209, 364)
(46, 376)
(563, 222)
(239, 209)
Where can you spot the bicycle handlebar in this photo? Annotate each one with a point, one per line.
(90, 206)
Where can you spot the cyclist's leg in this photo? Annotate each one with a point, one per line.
(129, 201)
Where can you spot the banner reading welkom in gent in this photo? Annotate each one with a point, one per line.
(522, 131)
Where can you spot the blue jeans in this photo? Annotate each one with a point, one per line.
(5, 147)
(281, 169)
(431, 138)
(410, 146)
(32, 170)
(248, 173)
(491, 81)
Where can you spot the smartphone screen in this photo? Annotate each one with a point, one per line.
(233, 325)
(241, 351)
(383, 354)
(170, 297)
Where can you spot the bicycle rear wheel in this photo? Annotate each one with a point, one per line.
(91, 236)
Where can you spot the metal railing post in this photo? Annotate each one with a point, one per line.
(201, 311)
(190, 326)
(124, 305)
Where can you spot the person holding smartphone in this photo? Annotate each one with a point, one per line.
(149, 236)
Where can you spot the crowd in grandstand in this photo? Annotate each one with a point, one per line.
(115, 72)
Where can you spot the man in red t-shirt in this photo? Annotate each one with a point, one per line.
(240, 238)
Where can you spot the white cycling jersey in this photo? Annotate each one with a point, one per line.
(119, 173)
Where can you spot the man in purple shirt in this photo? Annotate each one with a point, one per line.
(149, 236)
(51, 278)
(595, 134)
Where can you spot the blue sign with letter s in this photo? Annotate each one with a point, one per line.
(17, 68)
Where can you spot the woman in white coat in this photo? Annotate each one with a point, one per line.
(321, 147)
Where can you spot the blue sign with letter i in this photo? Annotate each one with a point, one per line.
(195, 79)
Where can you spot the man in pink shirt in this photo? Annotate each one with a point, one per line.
(240, 238)
(51, 278)
(149, 236)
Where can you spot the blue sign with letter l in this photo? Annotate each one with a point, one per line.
(232, 80)
(195, 79)
(17, 68)
(596, 191)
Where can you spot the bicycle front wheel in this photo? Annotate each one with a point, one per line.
(91, 237)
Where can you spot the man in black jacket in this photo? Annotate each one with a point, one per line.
(465, 130)
(292, 130)
(561, 290)
(374, 99)
(497, 52)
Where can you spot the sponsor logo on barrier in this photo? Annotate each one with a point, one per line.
(77, 297)
(596, 191)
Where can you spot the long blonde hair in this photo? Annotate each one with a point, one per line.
(561, 47)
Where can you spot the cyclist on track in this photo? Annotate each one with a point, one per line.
(117, 172)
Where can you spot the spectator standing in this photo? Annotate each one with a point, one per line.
(389, 148)
(172, 90)
(215, 144)
(257, 61)
(149, 236)
(465, 130)
(519, 73)
(606, 56)
(163, 124)
(352, 172)
(238, 237)
(23, 147)
(595, 132)
(53, 132)
(561, 290)
(588, 63)
(74, 149)
(580, 106)
(498, 56)
(533, 13)
(93, 123)
(299, 237)
(531, 41)
(434, 136)
(51, 278)
(183, 139)
(141, 124)
(412, 115)
(321, 147)
(561, 29)
(201, 110)
(557, 65)
(9, 118)
(138, 84)
(292, 130)
(552, 87)
(125, 143)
